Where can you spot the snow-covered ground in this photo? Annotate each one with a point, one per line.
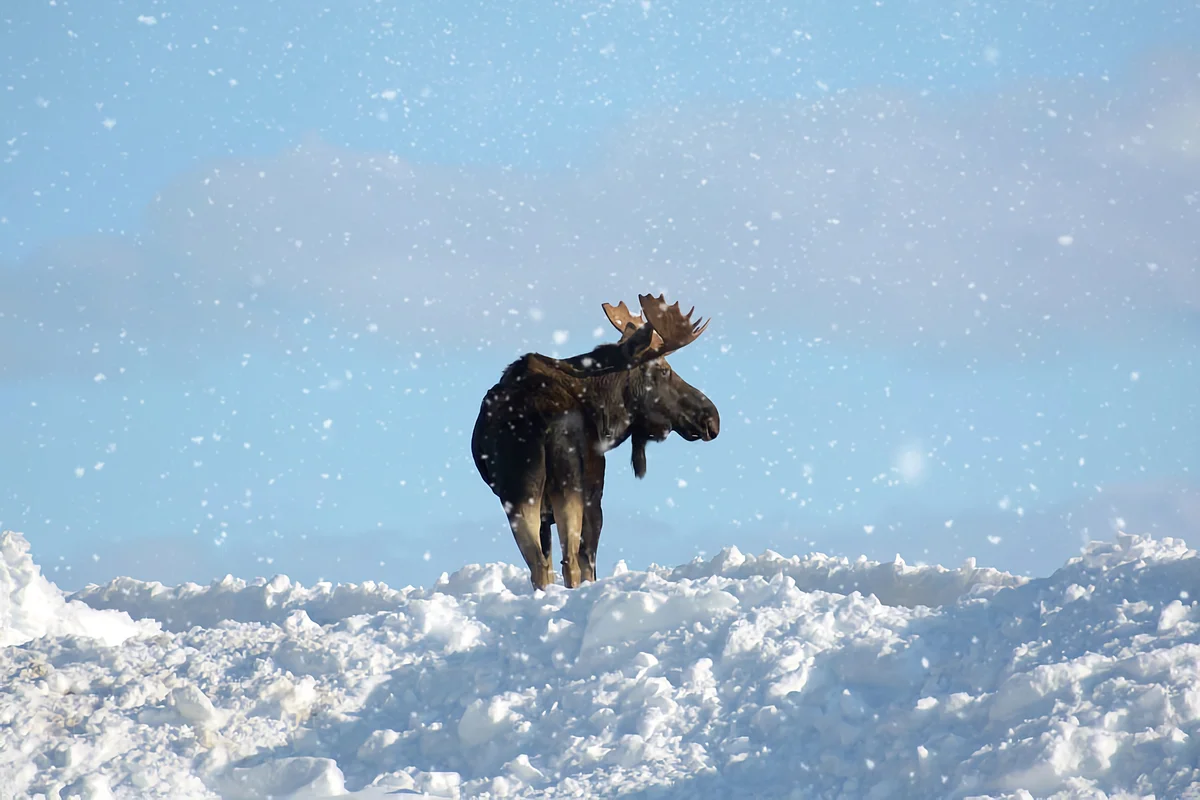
(736, 677)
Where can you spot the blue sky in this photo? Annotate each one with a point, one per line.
(261, 263)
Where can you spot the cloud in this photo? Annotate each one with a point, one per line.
(884, 217)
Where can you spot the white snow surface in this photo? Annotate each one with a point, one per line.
(740, 676)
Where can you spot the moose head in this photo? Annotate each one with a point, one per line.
(656, 400)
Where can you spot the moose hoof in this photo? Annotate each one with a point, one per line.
(542, 578)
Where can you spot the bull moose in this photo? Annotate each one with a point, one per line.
(544, 428)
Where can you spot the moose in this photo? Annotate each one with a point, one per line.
(542, 431)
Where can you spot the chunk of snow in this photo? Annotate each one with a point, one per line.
(32, 607)
(192, 704)
(284, 777)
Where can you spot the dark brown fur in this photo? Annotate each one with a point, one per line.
(543, 429)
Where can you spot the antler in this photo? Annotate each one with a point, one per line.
(675, 329)
(622, 318)
(664, 329)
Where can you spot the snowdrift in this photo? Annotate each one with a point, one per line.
(739, 676)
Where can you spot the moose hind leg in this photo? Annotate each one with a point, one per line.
(593, 514)
(593, 519)
(568, 516)
(547, 535)
(513, 455)
(526, 523)
(566, 443)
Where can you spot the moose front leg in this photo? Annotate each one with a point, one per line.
(593, 514)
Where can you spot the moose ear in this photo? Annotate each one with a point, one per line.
(636, 343)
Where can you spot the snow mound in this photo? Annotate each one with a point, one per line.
(738, 676)
(31, 606)
(895, 583)
(272, 601)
